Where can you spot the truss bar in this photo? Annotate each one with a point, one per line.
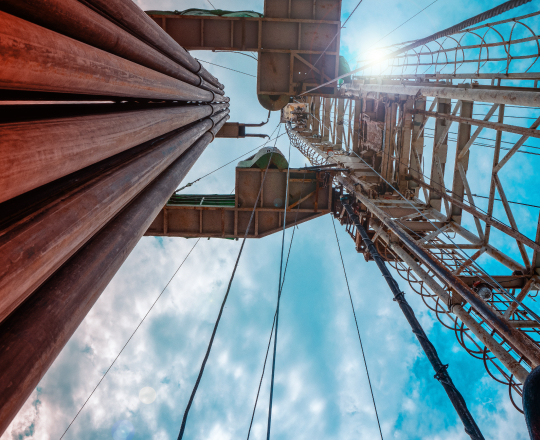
(522, 343)
(424, 119)
(516, 147)
(490, 250)
(441, 373)
(434, 234)
(494, 96)
(529, 132)
(496, 157)
(512, 220)
(465, 184)
(487, 219)
(465, 149)
(476, 328)
(522, 295)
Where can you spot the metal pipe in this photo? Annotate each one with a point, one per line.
(506, 358)
(33, 248)
(519, 341)
(441, 373)
(73, 19)
(528, 99)
(143, 27)
(35, 58)
(531, 403)
(36, 152)
(33, 336)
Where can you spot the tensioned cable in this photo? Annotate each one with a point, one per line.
(201, 371)
(286, 199)
(131, 336)
(273, 322)
(357, 328)
(228, 68)
(444, 233)
(235, 159)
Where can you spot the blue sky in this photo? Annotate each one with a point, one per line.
(321, 391)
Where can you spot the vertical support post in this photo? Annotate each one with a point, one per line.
(464, 134)
(439, 152)
(326, 119)
(340, 133)
(406, 135)
(356, 125)
(418, 141)
(493, 186)
(317, 115)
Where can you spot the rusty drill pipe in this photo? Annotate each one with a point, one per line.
(143, 27)
(515, 338)
(35, 58)
(32, 249)
(34, 153)
(74, 20)
(33, 336)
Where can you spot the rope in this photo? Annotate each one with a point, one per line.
(235, 159)
(279, 296)
(357, 328)
(228, 68)
(429, 349)
(201, 371)
(132, 334)
(273, 322)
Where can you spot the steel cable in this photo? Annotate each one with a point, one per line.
(441, 373)
(273, 322)
(130, 337)
(357, 328)
(201, 371)
(286, 203)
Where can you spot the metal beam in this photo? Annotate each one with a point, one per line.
(524, 98)
(487, 219)
(524, 345)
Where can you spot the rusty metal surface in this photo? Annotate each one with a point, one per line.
(309, 197)
(288, 43)
(27, 52)
(32, 337)
(75, 20)
(33, 248)
(137, 22)
(36, 152)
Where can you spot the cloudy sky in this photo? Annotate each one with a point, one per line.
(321, 390)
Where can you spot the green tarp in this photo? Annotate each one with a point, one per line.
(209, 12)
